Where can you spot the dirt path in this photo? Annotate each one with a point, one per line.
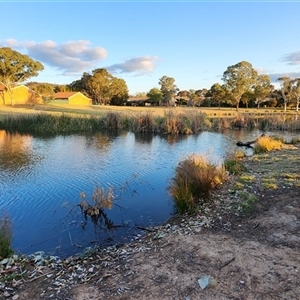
(253, 256)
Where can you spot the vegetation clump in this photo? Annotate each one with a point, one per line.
(233, 163)
(5, 236)
(195, 178)
(95, 209)
(266, 144)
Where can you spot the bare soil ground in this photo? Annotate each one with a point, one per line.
(253, 255)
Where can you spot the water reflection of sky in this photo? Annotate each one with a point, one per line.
(41, 180)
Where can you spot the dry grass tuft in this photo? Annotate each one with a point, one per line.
(266, 144)
(194, 179)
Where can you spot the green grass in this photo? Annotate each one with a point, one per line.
(172, 120)
(5, 236)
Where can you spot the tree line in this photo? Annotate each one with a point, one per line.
(242, 86)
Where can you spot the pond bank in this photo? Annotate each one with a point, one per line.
(252, 255)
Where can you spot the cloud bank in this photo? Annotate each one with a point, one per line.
(75, 57)
(139, 65)
(292, 58)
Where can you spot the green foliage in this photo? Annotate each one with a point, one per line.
(5, 236)
(16, 67)
(155, 96)
(233, 163)
(239, 79)
(247, 202)
(218, 93)
(102, 87)
(168, 89)
(194, 180)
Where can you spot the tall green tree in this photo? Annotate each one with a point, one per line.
(239, 79)
(102, 87)
(155, 96)
(262, 89)
(15, 68)
(119, 91)
(218, 93)
(98, 84)
(168, 89)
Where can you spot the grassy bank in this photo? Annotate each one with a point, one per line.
(176, 120)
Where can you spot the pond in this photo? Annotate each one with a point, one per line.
(42, 178)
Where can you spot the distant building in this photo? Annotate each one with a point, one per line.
(71, 98)
(20, 94)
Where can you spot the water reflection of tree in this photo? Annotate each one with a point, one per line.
(144, 137)
(101, 140)
(15, 151)
(174, 138)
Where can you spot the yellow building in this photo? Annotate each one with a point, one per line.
(72, 98)
(20, 94)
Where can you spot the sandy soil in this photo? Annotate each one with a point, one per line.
(248, 256)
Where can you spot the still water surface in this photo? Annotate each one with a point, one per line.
(41, 179)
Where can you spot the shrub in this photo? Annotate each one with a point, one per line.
(5, 236)
(266, 144)
(194, 179)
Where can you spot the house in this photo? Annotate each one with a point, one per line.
(71, 98)
(20, 94)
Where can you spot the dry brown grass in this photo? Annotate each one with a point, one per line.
(266, 144)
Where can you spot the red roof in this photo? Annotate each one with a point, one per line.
(64, 95)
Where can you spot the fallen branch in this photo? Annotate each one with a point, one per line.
(226, 263)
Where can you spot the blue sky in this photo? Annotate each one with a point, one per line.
(193, 42)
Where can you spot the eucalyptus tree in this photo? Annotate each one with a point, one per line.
(102, 87)
(98, 85)
(239, 79)
(46, 90)
(155, 96)
(295, 89)
(286, 90)
(262, 89)
(15, 68)
(218, 93)
(118, 91)
(168, 89)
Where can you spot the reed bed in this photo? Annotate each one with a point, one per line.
(171, 122)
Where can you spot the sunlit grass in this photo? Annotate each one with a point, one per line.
(246, 178)
(266, 144)
(195, 177)
(269, 183)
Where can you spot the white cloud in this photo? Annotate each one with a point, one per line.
(141, 65)
(71, 57)
(292, 58)
(274, 76)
